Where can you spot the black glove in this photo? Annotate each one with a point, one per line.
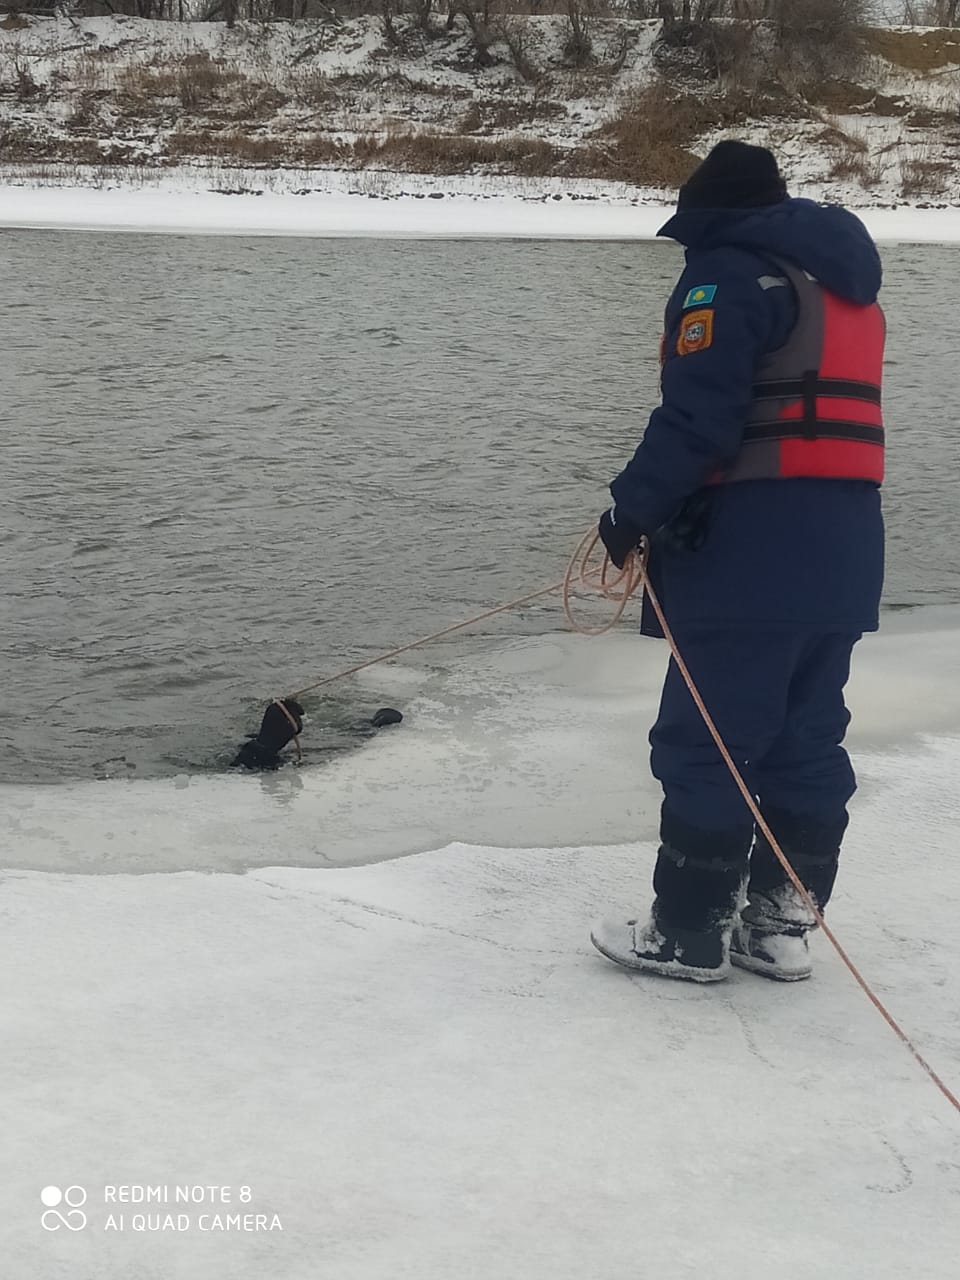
(687, 528)
(619, 536)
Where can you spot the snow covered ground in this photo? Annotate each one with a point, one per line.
(388, 205)
(419, 1067)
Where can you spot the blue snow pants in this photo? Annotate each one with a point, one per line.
(776, 696)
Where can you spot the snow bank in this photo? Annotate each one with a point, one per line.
(422, 213)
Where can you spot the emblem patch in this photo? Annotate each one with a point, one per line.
(696, 332)
(701, 296)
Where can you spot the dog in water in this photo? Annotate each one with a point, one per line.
(283, 723)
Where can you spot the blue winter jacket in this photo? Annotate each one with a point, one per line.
(792, 552)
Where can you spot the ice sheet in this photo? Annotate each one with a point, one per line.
(534, 741)
(419, 1067)
(423, 1070)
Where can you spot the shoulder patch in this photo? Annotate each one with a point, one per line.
(696, 332)
(701, 296)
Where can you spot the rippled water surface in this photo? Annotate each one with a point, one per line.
(231, 466)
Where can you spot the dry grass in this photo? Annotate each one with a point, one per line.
(924, 175)
(396, 149)
(494, 116)
(312, 89)
(858, 166)
(455, 153)
(915, 50)
(649, 140)
(850, 158)
(195, 82)
(19, 143)
(251, 149)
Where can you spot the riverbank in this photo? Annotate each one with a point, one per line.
(367, 98)
(224, 202)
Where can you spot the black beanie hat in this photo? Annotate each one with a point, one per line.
(733, 176)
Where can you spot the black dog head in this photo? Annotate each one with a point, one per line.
(282, 721)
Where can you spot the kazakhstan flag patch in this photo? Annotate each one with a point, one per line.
(701, 296)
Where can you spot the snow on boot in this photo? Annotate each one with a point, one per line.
(771, 936)
(650, 945)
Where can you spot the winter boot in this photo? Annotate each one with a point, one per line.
(770, 937)
(650, 944)
(698, 881)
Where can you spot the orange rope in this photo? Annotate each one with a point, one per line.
(437, 635)
(635, 572)
(619, 589)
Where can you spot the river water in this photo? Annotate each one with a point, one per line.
(232, 466)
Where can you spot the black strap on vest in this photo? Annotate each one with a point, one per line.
(796, 429)
(836, 388)
(808, 389)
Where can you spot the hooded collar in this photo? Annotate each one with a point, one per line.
(829, 242)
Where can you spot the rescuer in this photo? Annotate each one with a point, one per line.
(757, 484)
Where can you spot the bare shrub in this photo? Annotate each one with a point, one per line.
(312, 88)
(17, 78)
(711, 50)
(924, 174)
(477, 16)
(514, 32)
(931, 13)
(257, 99)
(578, 49)
(648, 140)
(857, 166)
(823, 36)
(850, 157)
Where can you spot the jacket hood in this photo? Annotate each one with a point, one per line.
(830, 243)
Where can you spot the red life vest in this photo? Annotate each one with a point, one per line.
(816, 401)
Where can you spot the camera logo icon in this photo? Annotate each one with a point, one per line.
(71, 1216)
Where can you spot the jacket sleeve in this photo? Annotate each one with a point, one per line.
(706, 387)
